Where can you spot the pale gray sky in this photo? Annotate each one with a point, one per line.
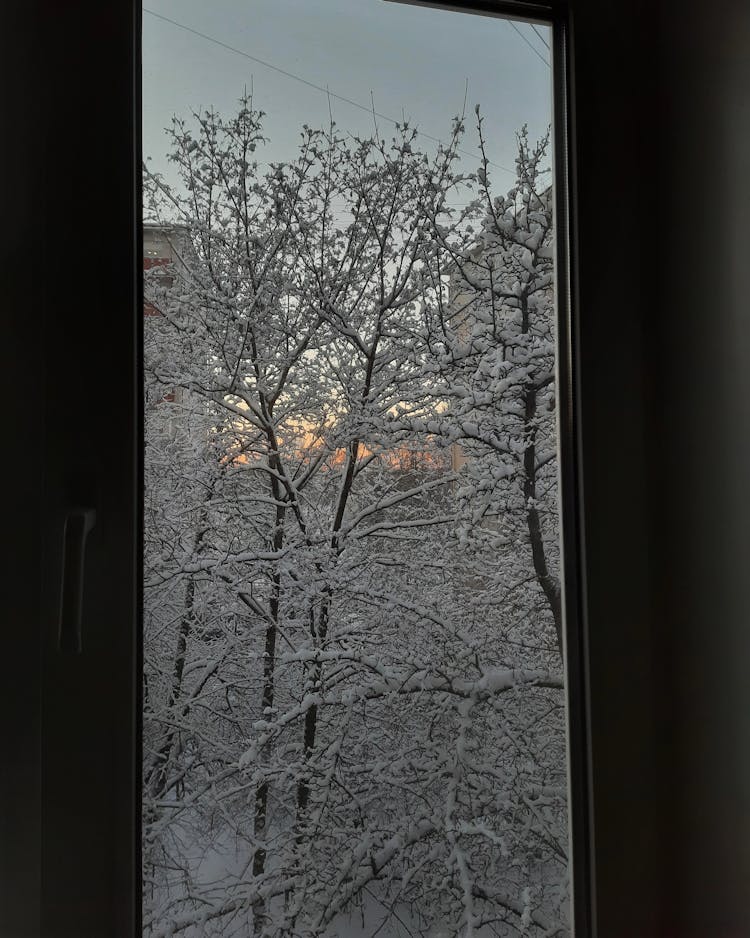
(407, 59)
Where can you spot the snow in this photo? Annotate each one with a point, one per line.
(354, 700)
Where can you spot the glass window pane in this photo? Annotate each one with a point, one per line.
(354, 706)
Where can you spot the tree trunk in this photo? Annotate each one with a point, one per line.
(550, 584)
(267, 700)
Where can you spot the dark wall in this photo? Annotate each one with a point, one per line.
(662, 158)
(663, 140)
(704, 540)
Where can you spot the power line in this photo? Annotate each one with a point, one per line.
(541, 37)
(310, 84)
(533, 48)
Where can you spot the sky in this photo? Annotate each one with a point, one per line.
(406, 60)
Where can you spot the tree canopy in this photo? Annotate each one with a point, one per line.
(354, 709)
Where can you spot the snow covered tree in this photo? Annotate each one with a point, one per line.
(493, 347)
(354, 713)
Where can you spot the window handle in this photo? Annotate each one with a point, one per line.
(78, 523)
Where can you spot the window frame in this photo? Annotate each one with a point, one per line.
(644, 80)
(556, 15)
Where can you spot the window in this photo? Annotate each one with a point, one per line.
(354, 689)
(659, 395)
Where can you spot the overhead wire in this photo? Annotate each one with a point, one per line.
(541, 37)
(528, 43)
(310, 84)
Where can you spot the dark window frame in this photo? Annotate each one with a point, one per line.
(658, 100)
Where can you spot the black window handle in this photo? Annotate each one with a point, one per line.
(78, 523)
